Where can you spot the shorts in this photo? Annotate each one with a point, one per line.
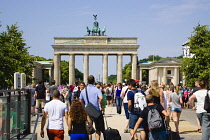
(108, 98)
(40, 102)
(178, 110)
(99, 123)
(55, 134)
(132, 122)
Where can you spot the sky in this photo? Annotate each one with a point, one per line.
(162, 26)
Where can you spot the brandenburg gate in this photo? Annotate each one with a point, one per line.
(96, 43)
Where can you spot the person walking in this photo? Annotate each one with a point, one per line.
(133, 116)
(40, 95)
(77, 122)
(125, 105)
(176, 107)
(156, 93)
(82, 86)
(197, 87)
(95, 97)
(55, 110)
(118, 98)
(156, 133)
(202, 115)
(52, 88)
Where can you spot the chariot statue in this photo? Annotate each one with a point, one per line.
(96, 29)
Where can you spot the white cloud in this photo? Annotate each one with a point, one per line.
(166, 13)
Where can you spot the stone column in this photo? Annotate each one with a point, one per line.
(57, 61)
(175, 76)
(50, 76)
(134, 66)
(86, 67)
(164, 75)
(140, 75)
(105, 68)
(119, 68)
(71, 69)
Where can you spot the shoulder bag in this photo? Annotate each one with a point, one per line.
(207, 103)
(91, 110)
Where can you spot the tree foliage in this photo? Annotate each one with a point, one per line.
(112, 78)
(198, 67)
(65, 73)
(127, 71)
(14, 56)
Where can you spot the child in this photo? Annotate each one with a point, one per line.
(154, 134)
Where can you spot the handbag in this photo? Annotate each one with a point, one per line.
(207, 103)
(89, 128)
(91, 110)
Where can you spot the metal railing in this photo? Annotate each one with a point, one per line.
(15, 118)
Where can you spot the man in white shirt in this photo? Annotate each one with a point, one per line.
(55, 110)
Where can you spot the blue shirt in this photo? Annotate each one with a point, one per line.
(93, 94)
(130, 96)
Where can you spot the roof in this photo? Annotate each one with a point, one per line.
(166, 62)
(45, 62)
(146, 63)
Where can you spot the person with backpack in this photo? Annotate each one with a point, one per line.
(40, 93)
(108, 91)
(153, 113)
(134, 108)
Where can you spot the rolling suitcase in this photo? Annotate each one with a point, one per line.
(111, 134)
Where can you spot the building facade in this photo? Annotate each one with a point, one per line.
(165, 70)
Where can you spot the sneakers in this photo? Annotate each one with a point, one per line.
(199, 131)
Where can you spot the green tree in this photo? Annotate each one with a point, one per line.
(65, 73)
(14, 56)
(127, 71)
(198, 67)
(112, 78)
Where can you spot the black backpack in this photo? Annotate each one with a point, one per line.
(41, 91)
(207, 103)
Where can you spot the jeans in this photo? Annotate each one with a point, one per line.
(204, 119)
(118, 104)
(126, 110)
(157, 135)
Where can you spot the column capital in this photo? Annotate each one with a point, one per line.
(134, 54)
(119, 53)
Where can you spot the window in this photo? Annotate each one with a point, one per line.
(168, 71)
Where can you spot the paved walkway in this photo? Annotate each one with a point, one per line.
(188, 125)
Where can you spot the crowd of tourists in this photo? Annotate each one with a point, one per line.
(149, 113)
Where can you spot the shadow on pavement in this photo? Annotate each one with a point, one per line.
(186, 132)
